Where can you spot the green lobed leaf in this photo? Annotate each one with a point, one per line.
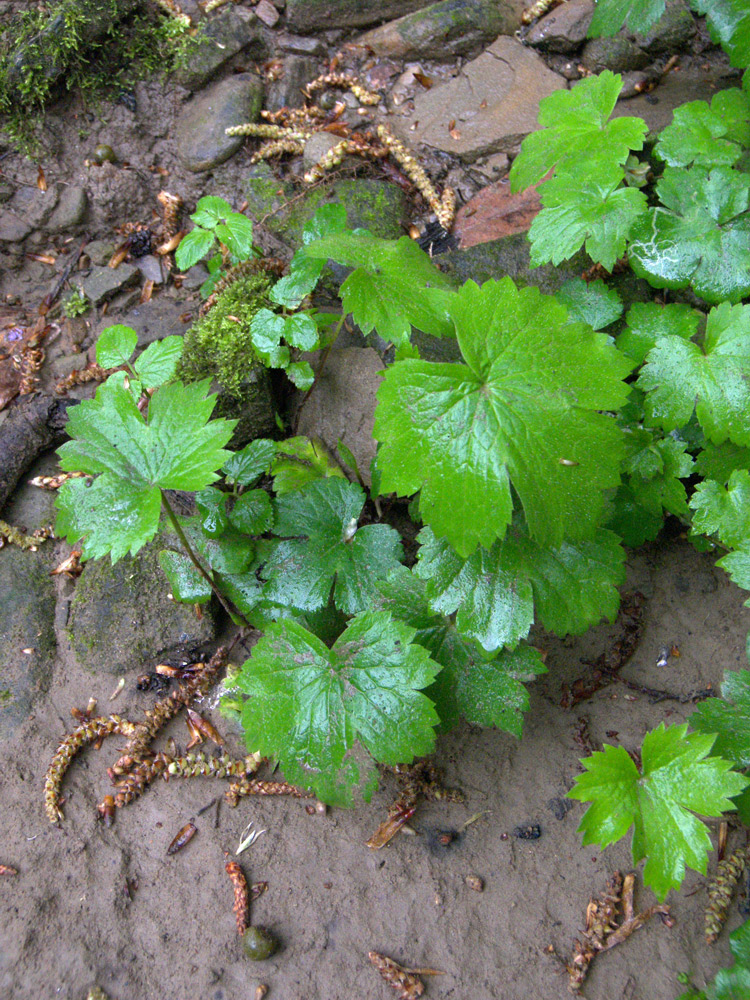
(485, 689)
(304, 271)
(301, 375)
(737, 565)
(237, 235)
(245, 466)
(252, 513)
(677, 779)
(308, 705)
(300, 461)
(728, 717)
(188, 586)
(210, 210)
(724, 511)
(394, 285)
(521, 410)
(590, 302)
(585, 206)
(710, 136)
(720, 461)
(115, 346)
(577, 131)
(497, 592)
(193, 247)
(649, 322)
(325, 548)
(611, 15)
(158, 362)
(301, 332)
(680, 375)
(729, 26)
(212, 506)
(266, 331)
(700, 238)
(111, 515)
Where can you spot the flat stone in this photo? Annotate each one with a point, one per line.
(34, 206)
(70, 210)
(341, 406)
(303, 45)
(267, 13)
(564, 29)
(200, 134)
(657, 108)
(444, 29)
(224, 36)
(150, 268)
(100, 251)
(494, 103)
(321, 15)
(495, 212)
(104, 282)
(131, 595)
(12, 228)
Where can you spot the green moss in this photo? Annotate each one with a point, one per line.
(219, 347)
(43, 52)
(5, 696)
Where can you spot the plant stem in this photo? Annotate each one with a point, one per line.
(321, 366)
(233, 613)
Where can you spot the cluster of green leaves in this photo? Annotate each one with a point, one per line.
(215, 222)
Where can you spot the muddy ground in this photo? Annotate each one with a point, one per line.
(107, 905)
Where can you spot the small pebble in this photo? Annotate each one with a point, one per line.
(474, 882)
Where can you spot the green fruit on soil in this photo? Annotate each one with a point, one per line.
(259, 943)
(104, 154)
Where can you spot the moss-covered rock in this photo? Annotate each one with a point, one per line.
(122, 615)
(218, 346)
(370, 203)
(27, 634)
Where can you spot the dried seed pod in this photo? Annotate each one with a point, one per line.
(8, 870)
(184, 836)
(259, 943)
(343, 81)
(171, 205)
(19, 538)
(249, 786)
(410, 987)
(106, 810)
(88, 732)
(205, 728)
(539, 9)
(444, 206)
(241, 895)
(199, 765)
(260, 991)
(721, 890)
(55, 482)
(474, 882)
(96, 993)
(277, 147)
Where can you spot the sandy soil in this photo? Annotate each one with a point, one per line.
(68, 919)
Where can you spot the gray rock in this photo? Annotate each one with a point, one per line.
(26, 623)
(320, 15)
(194, 277)
(104, 282)
(445, 29)
(6, 190)
(671, 33)
(121, 615)
(267, 13)
(341, 406)
(223, 37)
(150, 268)
(618, 53)
(12, 228)
(494, 102)
(303, 45)
(674, 89)
(99, 252)
(34, 206)
(200, 130)
(70, 210)
(564, 28)
(287, 90)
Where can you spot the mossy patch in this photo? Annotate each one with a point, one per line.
(218, 346)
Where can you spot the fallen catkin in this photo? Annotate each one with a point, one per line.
(241, 895)
(250, 786)
(87, 732)
(721, 890)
